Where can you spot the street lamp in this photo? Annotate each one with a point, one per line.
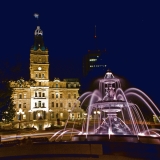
(4, 118)
(84, 118)
(69, 113)
(20, 113)
(50, 110)
(30, 111)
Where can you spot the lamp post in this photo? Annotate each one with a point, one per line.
(84, 118)
(50, 110)
(20, 112)
(30, 111)
(69, 113)
(4, 118)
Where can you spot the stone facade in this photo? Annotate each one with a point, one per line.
(40, 102)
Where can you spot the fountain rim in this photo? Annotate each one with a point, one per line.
(111, 104)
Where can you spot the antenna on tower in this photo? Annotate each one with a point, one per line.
(95, 37)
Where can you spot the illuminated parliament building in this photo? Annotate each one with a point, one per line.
(40, 102)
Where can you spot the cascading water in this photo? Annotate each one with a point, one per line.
(112, 114)
(109, 114)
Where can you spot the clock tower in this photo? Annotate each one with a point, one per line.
(39, 71)
(39, 65)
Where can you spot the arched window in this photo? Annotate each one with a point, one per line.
(43, 94)
(39, 75)
(20, 96)
(56, 95)
(35, 94)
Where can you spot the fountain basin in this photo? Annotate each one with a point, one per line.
(118, 138)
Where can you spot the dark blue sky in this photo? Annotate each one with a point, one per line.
(129, 30)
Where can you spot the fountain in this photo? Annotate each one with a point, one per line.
(111, 117)
(114, 117)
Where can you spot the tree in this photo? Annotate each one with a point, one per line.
(10, 68)
(6, 102)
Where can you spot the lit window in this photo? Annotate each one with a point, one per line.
(20, 96)
(15, 96)
(19, 117)
(61, 115)
(19, 105)
(24, 95)
(52, 114)
(24, 105)
(24, 116)
(93, 60)
(39, 103)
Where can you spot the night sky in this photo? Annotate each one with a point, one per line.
(129, 30)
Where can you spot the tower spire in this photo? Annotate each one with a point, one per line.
(38, 37)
